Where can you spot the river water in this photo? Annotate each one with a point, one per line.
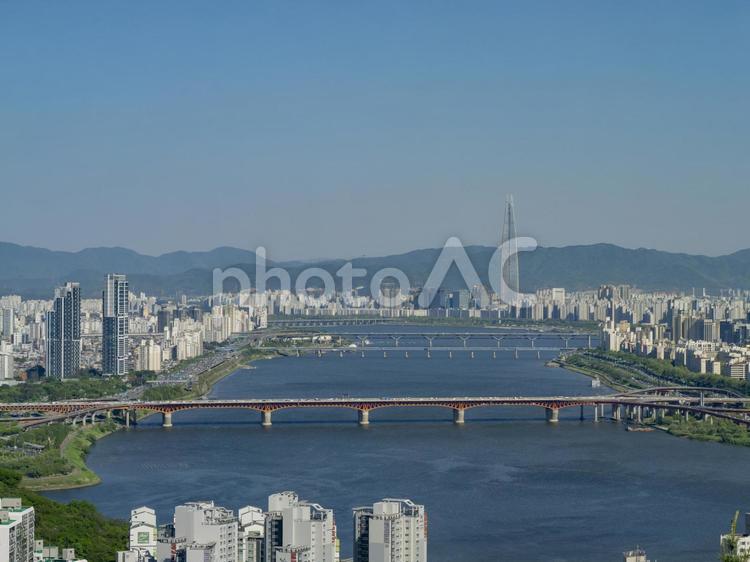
(506, 487)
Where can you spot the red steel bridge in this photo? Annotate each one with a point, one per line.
(636, 406)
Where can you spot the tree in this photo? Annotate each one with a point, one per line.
(730, 550)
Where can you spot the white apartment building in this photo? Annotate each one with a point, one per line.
(7, 370)
(298, 531)
(187, 337)
(392, 530)
(207, 529)
(251, 532)
(148, 356)
(143, 531)
(16, 531)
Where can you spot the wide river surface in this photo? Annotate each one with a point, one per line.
(506, 487)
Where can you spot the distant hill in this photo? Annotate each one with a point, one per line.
(34, 272)
(27, 262)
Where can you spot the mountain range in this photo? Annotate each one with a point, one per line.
(34, 272)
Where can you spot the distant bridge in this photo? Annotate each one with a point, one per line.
(622, 406)
(344, 321)
(492, 341)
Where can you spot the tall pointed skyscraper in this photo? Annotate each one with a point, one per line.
(510, 255)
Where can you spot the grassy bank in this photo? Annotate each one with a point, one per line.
(614, 376)
(717, 431)
(73, 451)
(62, 462)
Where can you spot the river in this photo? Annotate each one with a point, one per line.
(506, 487)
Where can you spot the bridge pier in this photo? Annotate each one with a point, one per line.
(553, 415)
(616, 414)
(596, 413)
(582, 417)
(458, 415)
(166, 419)
(266, 418)
(364, 417)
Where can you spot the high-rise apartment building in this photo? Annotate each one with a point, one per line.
(64, 333)
(16, 531)
(392, 530)
(6, 362)
(7, 323)
(143, 531)
(148, 356)
(115, 325)
(299, 531)
(209, 531)
(251, 529)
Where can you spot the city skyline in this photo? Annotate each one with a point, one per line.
(374, 282)
(606, 128)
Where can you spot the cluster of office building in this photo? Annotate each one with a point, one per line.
(290, 530)
(706, 334)
(114, 335)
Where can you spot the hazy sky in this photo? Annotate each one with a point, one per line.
(344, 128)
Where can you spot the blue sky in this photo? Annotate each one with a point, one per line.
(348, 128)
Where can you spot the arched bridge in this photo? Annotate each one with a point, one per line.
(622, 406)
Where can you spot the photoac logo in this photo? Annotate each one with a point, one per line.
(502, 272)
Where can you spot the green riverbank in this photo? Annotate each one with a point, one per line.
(626, 372)
(68, 453)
